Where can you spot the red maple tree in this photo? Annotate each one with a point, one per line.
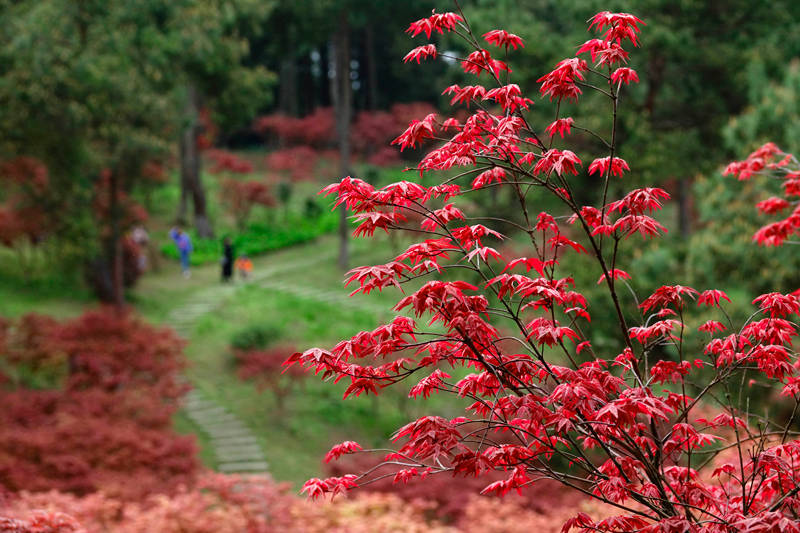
(629, 429)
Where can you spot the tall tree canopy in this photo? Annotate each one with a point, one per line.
(97, 89)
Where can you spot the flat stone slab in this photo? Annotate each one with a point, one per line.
(234, 440)
(244, 466)
(207, 409)
(211, 418)
(220, 435)
(225, 427)
(233, 443)
(248, 449)
(240, 457)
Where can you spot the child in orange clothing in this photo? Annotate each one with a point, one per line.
(244, 266)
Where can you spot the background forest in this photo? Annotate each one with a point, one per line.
(122, 120)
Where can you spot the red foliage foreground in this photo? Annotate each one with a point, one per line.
(231, 504)
(106, 420)
(629, 429)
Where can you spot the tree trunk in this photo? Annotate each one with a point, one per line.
(372, 67)
(325, 88)
(306, 90)
(183, 205)
(115, 244)
(341, 95)
(191, 184)
(684, 209)
(655, 77)
(287, 94)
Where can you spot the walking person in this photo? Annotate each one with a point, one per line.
(244, 266)
(227, 259)
(184, 244)
(140, 237)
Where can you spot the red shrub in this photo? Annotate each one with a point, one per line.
(405, 113)
(26, 186)
(154, 173)
(298, 162)
(241, 197)
(317, 129)
(373, 130)
(112, 350)
(370, 132)
(228, 162)
(112, 420)
(445, 493)
(266, 368)
(26, 172)
(384, 157)
(215, 503)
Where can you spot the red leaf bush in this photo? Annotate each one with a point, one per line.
(303, 141)
(218, 503)
(22, 216)
(298, 162)
(512, 341)
(221, 504)
(315, 130)
(265, 368)
(241, 197)
(108, 422)
(444, 496)
(224, 161)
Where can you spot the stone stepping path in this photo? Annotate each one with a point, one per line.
(234, 445)
(339, 298)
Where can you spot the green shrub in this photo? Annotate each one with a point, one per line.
(261, 237)
(255, 337)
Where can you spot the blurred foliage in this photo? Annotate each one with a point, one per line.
(256, 336)
(772, 114)
(722, 253)
(93, 85)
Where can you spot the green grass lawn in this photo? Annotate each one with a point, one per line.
(29, 287)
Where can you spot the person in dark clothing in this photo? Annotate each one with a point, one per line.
(227, 259)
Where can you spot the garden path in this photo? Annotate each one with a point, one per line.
(235, 445)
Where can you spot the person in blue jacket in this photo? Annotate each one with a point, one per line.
(184, 244)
